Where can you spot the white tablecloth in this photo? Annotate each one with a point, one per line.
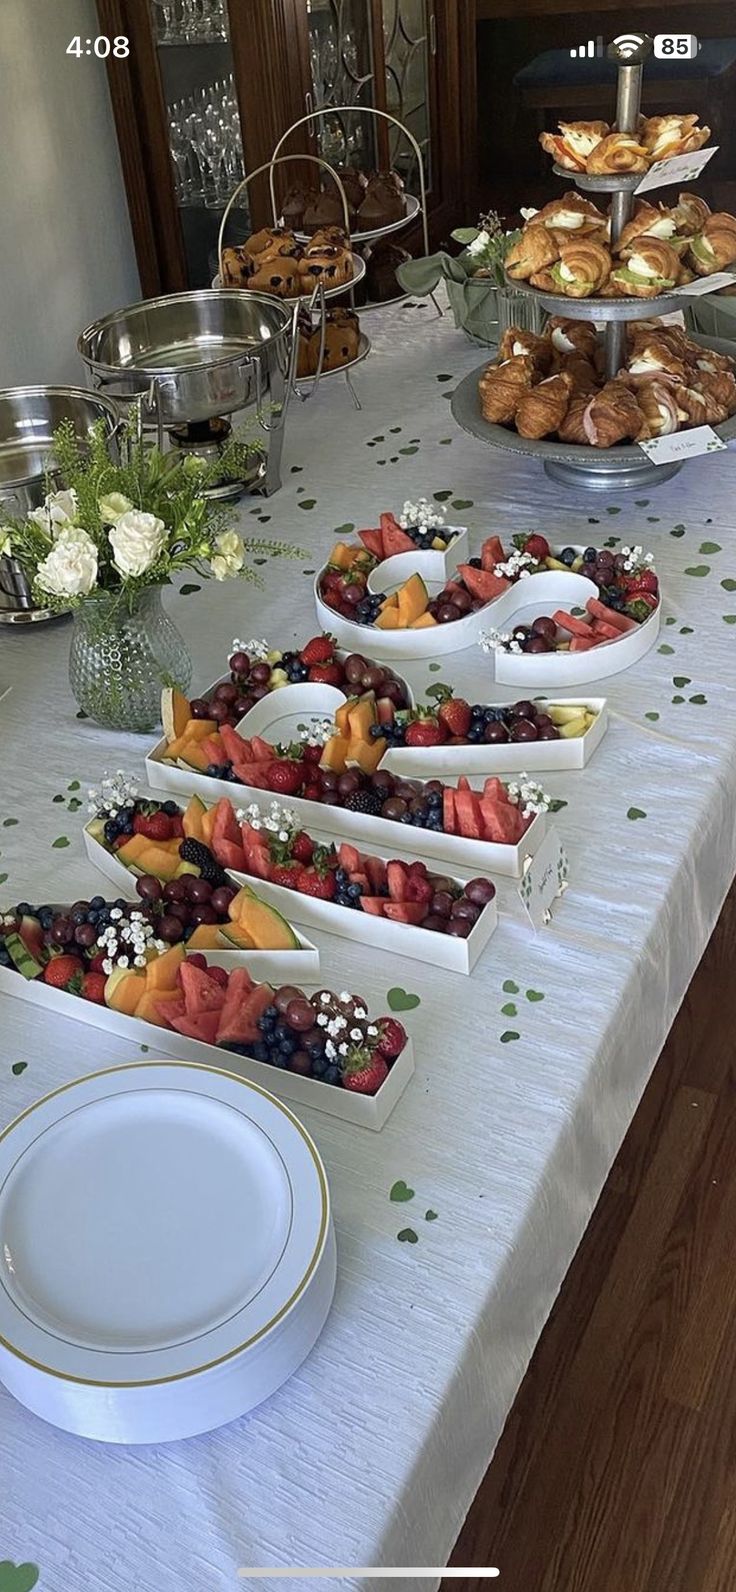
(372, 1453)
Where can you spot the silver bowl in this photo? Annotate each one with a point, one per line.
(193, 356)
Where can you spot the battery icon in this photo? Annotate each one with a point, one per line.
(676, 46)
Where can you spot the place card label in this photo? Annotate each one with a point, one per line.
(682, 445)
(705, 284)
(545, 878)
(679, 168)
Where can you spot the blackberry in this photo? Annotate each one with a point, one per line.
(194, 851)
(475, 563)
(364, 801)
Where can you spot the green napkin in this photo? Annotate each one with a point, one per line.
(472, 298)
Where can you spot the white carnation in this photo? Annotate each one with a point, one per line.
(6, 541)
(229, 557)
(113, 507)
(58, 512)
(137, 540)
(70, 569)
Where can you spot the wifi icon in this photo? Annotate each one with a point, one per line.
(628, 44)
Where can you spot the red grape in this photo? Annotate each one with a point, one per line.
(170, 929)
(149, 888)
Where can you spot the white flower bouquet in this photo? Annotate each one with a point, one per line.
(116, 528)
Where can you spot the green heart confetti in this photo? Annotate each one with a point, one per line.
(407, 451)
(728, 619)
(400, 1192)
(679, 530)
(534, 995)
(698, 699)
(308, 503)
(400, 1000)
(430, 1216)
(508, 1035)
(681, 679)
(510, 1010)
(653, 716)
(442, 497)
(698, 569)
(444, 378)
(17, 1577)
(9, 822)
(58, 845)
(18, 1067)
(678, 699)
(509, 987)
(462, 503)
(188, 588)
(408, 1236)
(344, 530)
(635, 812)
(710, 547)
(686, 630)
(666, 648)
(611, 509)
(729, 584)
(3, 878)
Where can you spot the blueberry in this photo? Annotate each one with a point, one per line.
(568, 555)
(478, 711)
(213, 770)
(278, 1059)
(354, 891)
(475, 563)
(272, 1012)
(288, 1046)
(45, 917)
(170, 809)
(281, 1032)
(332, 1075)
(97, 902)
(258, 1051)
(315, 1049)
(405, 818)
(111, 830)
(78, 917)
(476, 731)
(319, 1066)
(590, 555)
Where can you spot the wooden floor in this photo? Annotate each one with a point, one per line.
(616, 1471)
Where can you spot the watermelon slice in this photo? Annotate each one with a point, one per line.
(201, 993)
(253, 774)
(257, 862)
(610, 616)
(253, 837)
(374, 905)
(373, 540)
(579, 644)
(262, 751)
(169, 1007)
(349, 857)
(469, 814)
(397, 878)
(232, 742)
(239, 990)
(229, 855)
(241, 1026)
(448, 811)
(377, 872)
(394, 539)
(573, 625)
(502, 822)
(406, 911)
(203, 1027)
(492, 553)
(213, 749)
(482, 583)
(605, 632)
(225, 826)
(496, 789)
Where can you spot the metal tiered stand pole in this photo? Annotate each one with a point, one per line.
(628, 102)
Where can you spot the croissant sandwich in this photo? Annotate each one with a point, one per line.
(651, 268)
(573, 337)
(543, 408)
(572, 428)
(516, 341)
(571, 214)
(660, 407)
(714, 249)
(582, 268)
(501, 388)
(701, 408)
(582, 372)
(574, 143)
(690, 214)
(616, 153)
(648, 222)
(665, 136)
(535, 249)
(612, 415)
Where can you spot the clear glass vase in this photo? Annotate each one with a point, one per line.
(516, 308)
(121, 655)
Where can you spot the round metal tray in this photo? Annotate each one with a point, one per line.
(607, 182)
(29, 416)
(358, 238)
(603, 469)
(364, 348)
(359, 269)
(600, 309)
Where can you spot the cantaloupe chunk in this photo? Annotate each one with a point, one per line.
(413, 599)
(133, 849)
(423, 622)
(148, 1004)
(206, 937)
(124, 990)
(342, 724)
(175, 711)
(233, 937)
(193, 818)
(388, 619)
(195, 730)
(361, 717)
(161, 971)
(193, 756)
(343, 555)
(268, 929)
(334, 754)
(366, 755)
(208, 824)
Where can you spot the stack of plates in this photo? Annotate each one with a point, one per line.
(167, 1255)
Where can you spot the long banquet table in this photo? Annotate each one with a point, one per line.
(371, 1455)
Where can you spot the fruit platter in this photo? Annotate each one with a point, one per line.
(323, 1049)
(366, 802)
(402, 613)
(181, 896)
(450, 736)
(376, 899)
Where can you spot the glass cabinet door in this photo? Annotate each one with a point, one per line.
(341, 63)
(406, 49)
(204, 132)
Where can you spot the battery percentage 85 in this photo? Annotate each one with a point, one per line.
(676, 46)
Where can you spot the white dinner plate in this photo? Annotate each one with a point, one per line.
(160, 1224)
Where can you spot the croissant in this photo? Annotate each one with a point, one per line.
(543, 408)
(581, 371)
(654, 358)
(612, 415)
(582, 269)
(664, 136)
(713, 250)
(652, 266)
(648, 222)
(669, 338)
(709, 360)
(617, 152)
(571, 214)
(516, 341)
(720, 386)
(684, 275)
(535, 249)
(545, 281)
(568, 337)
(571, 428)
(573, 144)
(702, 408)
(690, 213)
(501, 388)
(659, 406)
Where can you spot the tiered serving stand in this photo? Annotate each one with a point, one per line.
(603, 469)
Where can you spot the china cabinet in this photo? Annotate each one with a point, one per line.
(210, 86)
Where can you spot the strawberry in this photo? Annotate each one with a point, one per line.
(177, 828)
(321, 649)
(392, 1038)
(154, 826)
(646, 580)
(365, 1072)
(287, 874)
(219, 975)
(327, 673)
(319, 885)
(312, 754)
(286, 776)
(62, 970)
(454, 716)
(537, 547)
(93, 988)
(312, 792)
(303, 848)
(424, 732)
(95, 965)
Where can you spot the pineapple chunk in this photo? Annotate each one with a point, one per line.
(573, 728)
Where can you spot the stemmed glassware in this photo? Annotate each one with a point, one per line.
(206, 145)
(190, 21)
